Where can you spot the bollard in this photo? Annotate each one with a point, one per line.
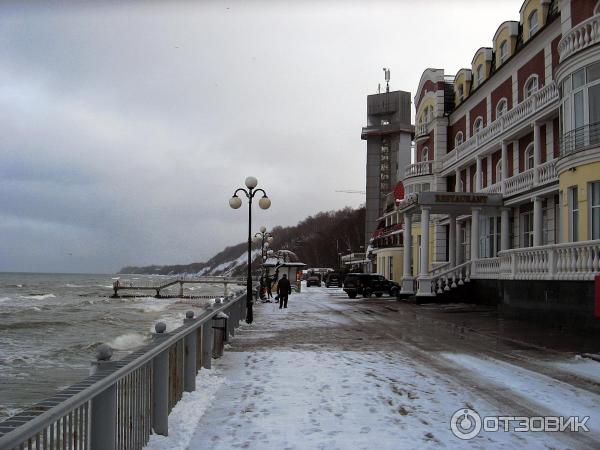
(103, 423)
(160, 392)
(189, 363)
(220, 325)
(207, 334)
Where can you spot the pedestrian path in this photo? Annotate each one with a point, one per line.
(327, 374)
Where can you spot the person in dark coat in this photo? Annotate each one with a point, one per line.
(284, 288)
(269, 286)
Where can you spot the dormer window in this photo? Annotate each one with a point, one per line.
(532, 21)
(480, 74)
(531, 86)
(458, 139)
(503, 51)
(425, 154)
(461, 93)
(501, 108)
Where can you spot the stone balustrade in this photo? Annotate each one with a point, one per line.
(581, 36)
(417, 169)
(569, 261)
(515, 117)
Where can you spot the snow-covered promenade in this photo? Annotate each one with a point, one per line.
(334, 373)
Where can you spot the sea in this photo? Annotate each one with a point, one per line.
(50, 325)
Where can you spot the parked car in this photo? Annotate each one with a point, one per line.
(367, 284)
(333, 280)
(313, 280)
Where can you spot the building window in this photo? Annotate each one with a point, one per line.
(595, 210)
(503, 51)
(458, 139)
(385, 122)
(489, 241)
(425, 154)
(480, 74)
(477, 125)
(531, 86)
(573, 214)
(529, 157)
(499, 171)
(527, 227)
(501, 108)
(391, 268)
(533, 22)
(461, 93)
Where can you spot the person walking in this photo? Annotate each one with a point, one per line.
(269, 286)
(284, 288)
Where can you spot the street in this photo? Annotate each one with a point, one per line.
(330, 372)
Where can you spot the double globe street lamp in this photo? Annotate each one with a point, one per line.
(235, 202)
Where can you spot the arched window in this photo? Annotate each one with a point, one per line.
(531, 86)
(480, 74)
(477, 125)
(461, 93)
(533, 22)
(529, 157)
(499, 171)
(425, 154)
(458, 139)
(501, 108)
(503, 51)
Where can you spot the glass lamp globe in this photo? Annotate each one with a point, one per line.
(235, 202)
(262, 228)
(264, 203)
(270, 239)
(251, 182)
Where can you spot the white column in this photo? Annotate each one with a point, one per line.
(458, 249)
(504, 229)
(475, 233)
(424, 280)
(504, 165)
(424, 241)
(452, 240)
(536, 151)
(537, 221)
(457, 180)
(407, 278)
(478, 176)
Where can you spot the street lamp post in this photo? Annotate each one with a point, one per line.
(235, 202)
(265, 238)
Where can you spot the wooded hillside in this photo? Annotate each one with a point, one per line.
(316, 240)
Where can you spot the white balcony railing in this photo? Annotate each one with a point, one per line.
(569, 261)
(495, 188)
(580, 37)
(422, 130)
(417, 169)
(512, 118)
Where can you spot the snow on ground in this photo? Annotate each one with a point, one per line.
(560, 398)
(584, 368)
(269, 393)
(186, 414)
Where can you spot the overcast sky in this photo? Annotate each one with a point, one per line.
(125, 127)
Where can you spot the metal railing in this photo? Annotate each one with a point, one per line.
(580, 139)
(123, 401)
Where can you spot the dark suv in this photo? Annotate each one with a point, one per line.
(367, 284)
(333, 280)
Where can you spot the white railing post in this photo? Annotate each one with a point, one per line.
(190, 352)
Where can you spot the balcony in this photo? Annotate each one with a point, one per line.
(519, 115)
(580, 139)
(584, 35)
(418, 169)
(391, 128)
(422, 132)
(538, 176)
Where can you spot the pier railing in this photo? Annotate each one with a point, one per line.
(124, 401)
